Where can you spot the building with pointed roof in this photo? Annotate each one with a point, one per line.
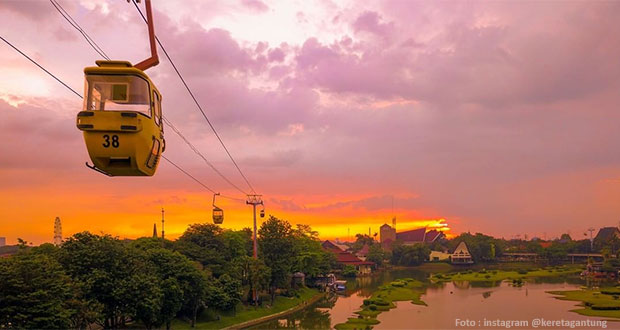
(461, 255)
(606, 233)
(346, 258)
(388, 236)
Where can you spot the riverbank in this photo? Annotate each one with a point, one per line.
(603, 302)
(383, 299)
(247, 316)
(495, 275)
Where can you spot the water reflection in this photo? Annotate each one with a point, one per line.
(446, 301)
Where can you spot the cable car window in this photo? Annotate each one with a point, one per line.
(157, 108)
(118, 93)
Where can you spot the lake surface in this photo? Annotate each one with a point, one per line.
(446, 302)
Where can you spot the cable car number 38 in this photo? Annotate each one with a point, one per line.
(110, 142)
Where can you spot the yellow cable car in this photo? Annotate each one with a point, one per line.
(121, 120)
(218, 213)
(122, 117)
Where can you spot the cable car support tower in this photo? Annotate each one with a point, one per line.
(255, 200)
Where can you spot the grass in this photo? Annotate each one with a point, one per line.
(432, 267)
(593, 302)
(247, 313)
(500, 275)
(383, 299)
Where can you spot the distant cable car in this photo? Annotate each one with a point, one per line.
(262, 212)
(122, 117)
(218, 213)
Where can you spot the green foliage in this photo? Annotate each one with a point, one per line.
(205, 244)
(481, 247)
(376, 254)
(36, 292)
(349, 271)
(410, 255)
(105, 273)
(311, 259)
(276, 247)
(99, 280)
(361, 240)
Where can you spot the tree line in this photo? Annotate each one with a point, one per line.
(101, 280)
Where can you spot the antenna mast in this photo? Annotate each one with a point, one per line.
(162, 225)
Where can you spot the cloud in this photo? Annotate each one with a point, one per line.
(255, 5)
(370, 22)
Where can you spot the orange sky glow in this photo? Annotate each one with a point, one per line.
(477, 116)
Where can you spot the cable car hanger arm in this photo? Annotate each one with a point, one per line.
(154, 59)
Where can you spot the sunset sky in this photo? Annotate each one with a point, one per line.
(495, 117)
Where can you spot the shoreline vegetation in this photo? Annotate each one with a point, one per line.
(406, 289)
(247, 316)
(495, 275)
(602, 302)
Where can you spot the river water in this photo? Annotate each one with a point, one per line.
(447, 303)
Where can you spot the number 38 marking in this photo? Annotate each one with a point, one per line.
(107, 143)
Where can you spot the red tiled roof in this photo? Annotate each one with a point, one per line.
(416, 235)
(545, 244)
(363, 251)
(419, 235)
(349, 259)
(327, 245)
(432, 235)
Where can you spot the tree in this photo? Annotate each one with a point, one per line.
(101, 266)
(276, 247)
(556, 252)
(310, 258)
(410, 255)
(361, 240)
(172, 301)
(204, 243)
(258, 275)
(232, 292)
(35, 291)
(481, 247)
(184, 285)
(349, 271)
(238, 244)
(376, 255)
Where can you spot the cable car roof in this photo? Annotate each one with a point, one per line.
(115, 67)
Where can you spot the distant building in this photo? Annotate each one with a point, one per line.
(346, 258)
(363, 252)
(57, 232)
(154, 230)
(334, 246)
(606, 233)
(2, 241)
(388, 236)
(439, 256)
(461, 255)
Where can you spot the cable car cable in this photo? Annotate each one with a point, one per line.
(198, 104)
(167, 122)
(198, 181)
(75, 24)
(80, 96)
(40, 67)
(98, 49)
